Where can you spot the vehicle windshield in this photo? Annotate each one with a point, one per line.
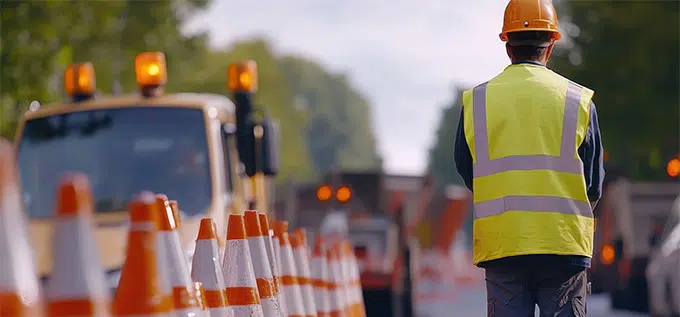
(123, 151)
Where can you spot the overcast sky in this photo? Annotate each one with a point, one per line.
(404, 56)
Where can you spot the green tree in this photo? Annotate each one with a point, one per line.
(628, 53)
(440, 161)
(39, 38)
(273, 95)
(339, 131)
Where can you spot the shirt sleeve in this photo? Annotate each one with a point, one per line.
(462, 155)
(591, 153)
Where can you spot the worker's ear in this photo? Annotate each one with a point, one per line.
(509, 51)
(548, 53)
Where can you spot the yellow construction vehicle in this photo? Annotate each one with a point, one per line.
(188, 146)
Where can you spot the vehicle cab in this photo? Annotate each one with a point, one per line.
(181, 145)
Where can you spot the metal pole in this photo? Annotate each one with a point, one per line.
(257, 180)
(238, 204)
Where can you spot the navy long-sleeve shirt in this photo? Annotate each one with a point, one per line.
(590, 152)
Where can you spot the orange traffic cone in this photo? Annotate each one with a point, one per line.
(290, 287)
(206, 270)
(265, 279)
(298, 243)
(77, 287)
(237, 268)
(273, 260)
(319, 274)
(276, 243)
(143, 289)
(184, 299)
(19, 291)
(338, 297)
(174, 206)
(353, 280)
(199, 292)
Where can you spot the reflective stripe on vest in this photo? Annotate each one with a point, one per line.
(567, 162)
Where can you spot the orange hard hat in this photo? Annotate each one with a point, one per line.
(530, 15)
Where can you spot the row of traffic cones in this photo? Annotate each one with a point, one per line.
(263, 272)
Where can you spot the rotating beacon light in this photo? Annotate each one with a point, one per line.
(242, 77)
(79, 81)
(152, 73)
(242, 83)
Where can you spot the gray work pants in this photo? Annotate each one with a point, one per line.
(559, 291)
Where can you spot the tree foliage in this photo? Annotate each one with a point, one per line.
(40, 38)
(441, 161)
(339, 133)
(273, 95)
(628, 53)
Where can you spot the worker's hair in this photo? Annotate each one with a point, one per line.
(527, 52)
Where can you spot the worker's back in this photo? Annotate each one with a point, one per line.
(523, 128)
(530, 94)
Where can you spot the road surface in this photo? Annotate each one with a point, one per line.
(470, 300)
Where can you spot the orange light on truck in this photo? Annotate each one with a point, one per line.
(242, 77)
(150, 69)
(607, 255)
(79, 79)
(324, 193)
(343, 194)
(673, 167)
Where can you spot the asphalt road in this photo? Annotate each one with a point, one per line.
(470, 301)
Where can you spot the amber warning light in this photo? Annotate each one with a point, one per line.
(324, 193)
(151, 71)
(343, 194)
(242, 77)
(673, 167)
(79, 79)
(608, 254)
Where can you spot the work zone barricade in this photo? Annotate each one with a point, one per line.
(262, 273)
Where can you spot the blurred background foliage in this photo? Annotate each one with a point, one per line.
(628, 52)
(327, 122)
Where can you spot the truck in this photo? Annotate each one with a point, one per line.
(630, 219)
(188, 146)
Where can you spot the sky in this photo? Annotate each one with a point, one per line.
(405, 57)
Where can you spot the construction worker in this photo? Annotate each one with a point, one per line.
(529, 148)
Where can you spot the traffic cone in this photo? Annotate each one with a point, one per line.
(143, 289)
(206, 270)
(276, 242)
(273, 260)
(290, 286)
(184, 298)
(258, 253)
(319, 274)
(237, 268)
(353, 281)
(199, 292)
(298, 243)
(174, 206)
(77, 287)
(19, 290)
(338, 296)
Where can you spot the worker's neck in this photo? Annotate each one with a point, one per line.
(539, 63)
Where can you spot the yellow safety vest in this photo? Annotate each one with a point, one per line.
(524, 128)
